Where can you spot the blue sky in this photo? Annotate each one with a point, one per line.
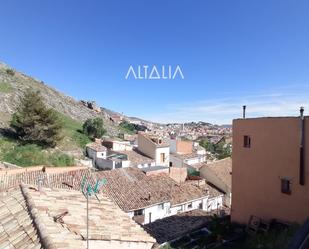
(231, 52)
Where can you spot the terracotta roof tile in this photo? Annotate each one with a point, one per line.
(223, 169)
(106, 220)
(16, 226)
(131, 189)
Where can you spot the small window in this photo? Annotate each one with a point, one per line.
(161, 206)
(190, 205)
(247, 141)
(171, 164)
(285, 186)
(138, 212)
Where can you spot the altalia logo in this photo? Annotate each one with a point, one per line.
(146, 72)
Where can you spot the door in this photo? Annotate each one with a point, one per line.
(150, 217)
(162, 157)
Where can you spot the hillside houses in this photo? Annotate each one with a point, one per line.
(144, 198)
(148, 198)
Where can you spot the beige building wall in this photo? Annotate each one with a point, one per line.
(145, 146)
(149, 148)
(258, 170)
(207, 174)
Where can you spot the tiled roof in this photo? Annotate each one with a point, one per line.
(96, 146)
(61, 217)
(197, 165)
(62, 178)
(16, 226)
(154, 138)
(137, 158)
(131, 189)
(223, 170)
(175, 226)
(187, 156)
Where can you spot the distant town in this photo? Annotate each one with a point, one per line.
(76, 175)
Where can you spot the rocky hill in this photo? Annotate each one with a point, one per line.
(13, 85)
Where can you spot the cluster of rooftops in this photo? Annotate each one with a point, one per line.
(46, 208)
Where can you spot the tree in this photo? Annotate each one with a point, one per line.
(93, 128)
(208, 146)
(34, 123)
(128, 127)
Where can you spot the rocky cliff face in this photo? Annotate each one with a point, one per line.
(13, 84)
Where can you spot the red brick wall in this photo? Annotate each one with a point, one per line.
(184, 147)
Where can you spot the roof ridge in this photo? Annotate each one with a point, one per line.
(38, 223)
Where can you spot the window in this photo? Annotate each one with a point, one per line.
(190, 205)
(171, 164)
(138, 212)
(247, 141)
(200, 206)
(285, 186)
(162, 157)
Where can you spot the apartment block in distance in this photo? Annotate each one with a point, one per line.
(270, 176)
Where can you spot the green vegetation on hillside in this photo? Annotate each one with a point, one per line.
(12, 151)
(93, 128)
(127, 127)
(131, 128)
(36, 128)
(5, 87)
(72, 129)
(10, 72)
(31, 154)
(34, 123)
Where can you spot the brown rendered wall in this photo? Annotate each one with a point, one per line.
(274, 154)
(184, 147)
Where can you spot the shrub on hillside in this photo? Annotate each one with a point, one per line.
(93, 128)
(10, 72)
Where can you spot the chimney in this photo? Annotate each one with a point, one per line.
(301, 148)
(243, 111)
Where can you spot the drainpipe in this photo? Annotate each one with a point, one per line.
(301, 148)
(243, 111)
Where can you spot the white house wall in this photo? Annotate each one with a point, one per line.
(156, 212)
(146, 165)
(125, 163)
(208, 204)
(199, 159)
(166, 151)
(214, 203)
(122, 146)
